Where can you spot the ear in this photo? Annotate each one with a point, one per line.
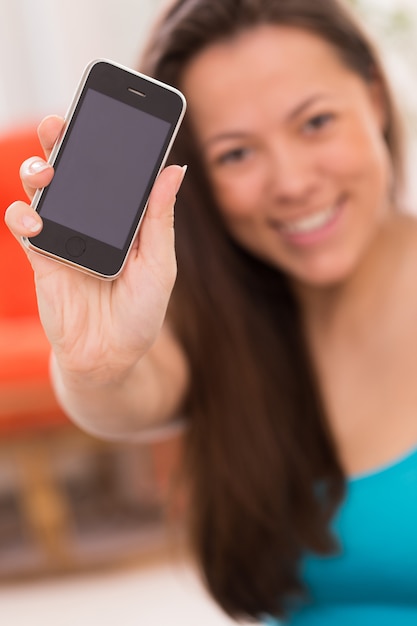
(378, 95)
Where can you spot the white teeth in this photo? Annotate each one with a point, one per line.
(309, 224)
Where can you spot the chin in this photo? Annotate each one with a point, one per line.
(324, 275)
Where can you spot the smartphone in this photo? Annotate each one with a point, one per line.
(118, 133)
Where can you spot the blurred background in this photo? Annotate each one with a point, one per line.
(92, 532)
(44, 47)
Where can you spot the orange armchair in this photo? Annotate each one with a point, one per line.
(26, 397)
(68, 485)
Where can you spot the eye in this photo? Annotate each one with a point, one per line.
(233, 156)
(317, 122)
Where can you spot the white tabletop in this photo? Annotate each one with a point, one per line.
(155, 594)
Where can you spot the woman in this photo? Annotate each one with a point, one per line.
(290, 334)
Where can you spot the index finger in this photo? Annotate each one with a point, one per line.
(49, 131)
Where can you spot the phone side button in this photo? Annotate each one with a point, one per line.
(75, 246)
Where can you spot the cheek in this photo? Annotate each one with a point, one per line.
(239, 197)
(360, 156)
(240, 201)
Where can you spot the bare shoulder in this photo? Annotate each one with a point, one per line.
(406, 265)
(407, 228)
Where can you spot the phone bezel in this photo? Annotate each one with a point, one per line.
(124, 85)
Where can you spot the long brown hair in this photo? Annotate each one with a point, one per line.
(264, 474)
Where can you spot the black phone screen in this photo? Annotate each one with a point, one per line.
(103, 173)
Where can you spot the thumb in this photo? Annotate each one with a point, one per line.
(154, 248)
(165, 189)
(157, 228)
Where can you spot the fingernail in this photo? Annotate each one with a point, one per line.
(31, 224)
(36, 166)
(184, 169)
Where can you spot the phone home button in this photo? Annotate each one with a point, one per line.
(75, 246)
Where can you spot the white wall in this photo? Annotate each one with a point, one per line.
(45, 45)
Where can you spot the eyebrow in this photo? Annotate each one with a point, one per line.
(225, 136)
(299, 109)
(305, 104)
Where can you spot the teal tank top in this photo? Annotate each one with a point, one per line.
(372, 579)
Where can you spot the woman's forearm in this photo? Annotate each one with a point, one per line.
(146, 397)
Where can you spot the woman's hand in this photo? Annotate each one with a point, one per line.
(99, 329)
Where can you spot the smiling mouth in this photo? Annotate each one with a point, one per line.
(311, 224)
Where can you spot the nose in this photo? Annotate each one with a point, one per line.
(292, 176)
